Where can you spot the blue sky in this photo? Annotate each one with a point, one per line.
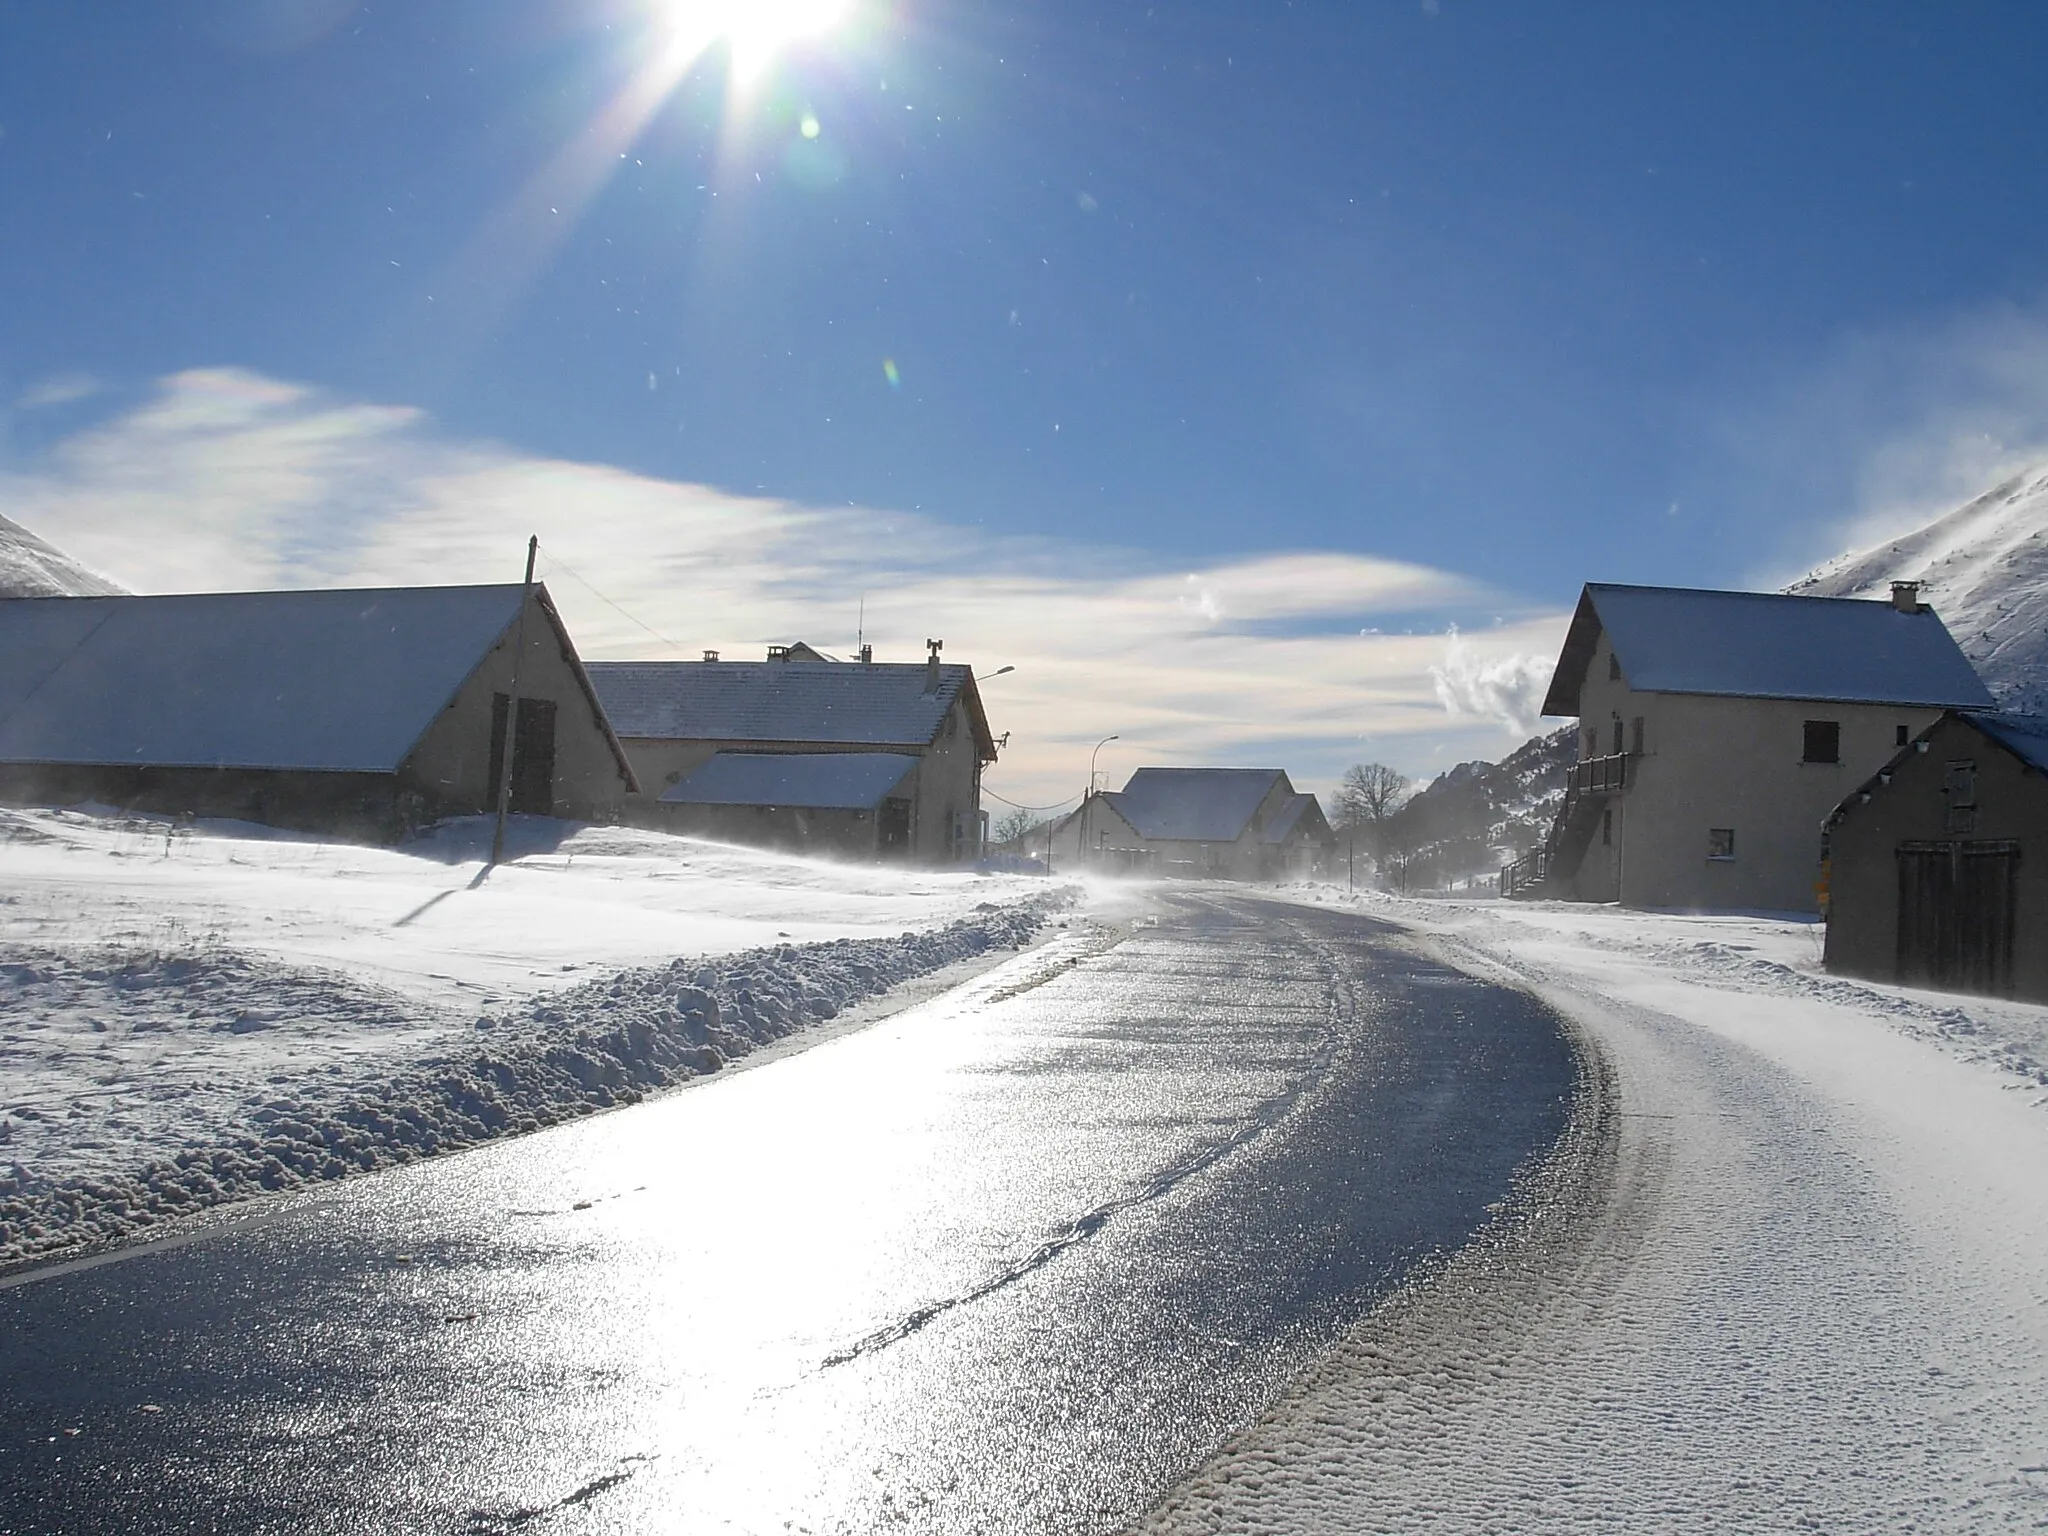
(1523, 296)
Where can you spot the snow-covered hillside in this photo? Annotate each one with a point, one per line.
(1984, 569)
(31, 568)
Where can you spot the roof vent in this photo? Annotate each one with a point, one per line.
(1906, 596)
(867, 655)
(931, 665)
(711, 655)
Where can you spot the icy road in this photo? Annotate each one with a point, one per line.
(1016, 1260)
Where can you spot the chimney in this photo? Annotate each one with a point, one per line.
(867, 655)
(778, 653)
(1906, 596)
(931, 665)
(711, 655)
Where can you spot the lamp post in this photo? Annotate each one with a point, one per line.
(1087, 815)
(999, 671)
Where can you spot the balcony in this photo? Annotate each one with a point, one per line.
(1599, 776)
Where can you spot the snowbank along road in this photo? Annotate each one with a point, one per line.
(1011, 1261)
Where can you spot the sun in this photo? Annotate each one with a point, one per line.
(754, 31)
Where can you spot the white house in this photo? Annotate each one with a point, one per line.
(1718, 730)
(1214, 823)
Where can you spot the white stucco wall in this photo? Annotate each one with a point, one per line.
(1710, 762)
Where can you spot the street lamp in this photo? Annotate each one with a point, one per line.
(999, 671)
(1087, 815)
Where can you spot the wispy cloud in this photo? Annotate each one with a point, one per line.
(226, 479)
(62, 389)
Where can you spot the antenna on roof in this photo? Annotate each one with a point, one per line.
(860, 626)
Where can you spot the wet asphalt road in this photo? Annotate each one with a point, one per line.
(1009, 1262)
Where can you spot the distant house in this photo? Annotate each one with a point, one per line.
(359, 712)
(1198, 823)
(1938, 863)
(1718, 729)
(901, 748)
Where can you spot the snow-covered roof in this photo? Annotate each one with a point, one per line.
(2025, 736)
(1194, 805)
(843, 781)
(1765, 645)
(1291, 815)
(334, 680)
(873, 704)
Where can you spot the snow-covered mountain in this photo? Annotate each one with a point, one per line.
(31, 568)
(1984, 569)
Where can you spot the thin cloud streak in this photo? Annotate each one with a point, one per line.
(229, 480)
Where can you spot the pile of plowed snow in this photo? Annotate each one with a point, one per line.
(191, 1015)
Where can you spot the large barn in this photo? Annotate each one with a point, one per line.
(1718, 729)
(356, 712)
(1938, 863)
(1198, 823)
(899, 752)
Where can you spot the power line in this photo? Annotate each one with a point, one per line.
(1013, 805)
(555, 562)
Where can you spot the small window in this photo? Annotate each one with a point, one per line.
(1617, 735)
(1823, 742)
(1902, 734)
(1636, 735)
(1613, 668)
(1607, 827)
(1959, 781)
(1720, 842)
(1592, 742)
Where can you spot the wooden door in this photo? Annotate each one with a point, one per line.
(1956, 915)
(533, 755)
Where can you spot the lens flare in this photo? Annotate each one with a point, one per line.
(889, 372)
(754, 31)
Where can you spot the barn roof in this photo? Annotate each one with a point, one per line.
(1765, 645)
(857, 704)
(2025, 736)
(333, 680)
(1292, 813)
(1194, 805)
(822, 781)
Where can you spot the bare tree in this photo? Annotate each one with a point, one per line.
(1014, 827)
(1367, 795)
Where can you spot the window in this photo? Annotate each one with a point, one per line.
(1592, 742)
(1902, 735)
(1617, 735)
(1823, 742)
(1721, 843)
(1607, 827)
(1613, 668)
(1636, 735)
(1959, 785)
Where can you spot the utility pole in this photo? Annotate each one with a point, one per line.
(1087, 815)
(512, 707)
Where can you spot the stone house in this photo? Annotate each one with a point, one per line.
(1937, 864)
(352, 712)
(1716, 732)
(1198, 823)
(709, 742)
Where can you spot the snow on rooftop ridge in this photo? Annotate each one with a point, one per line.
(1984, 568)
(30, 567)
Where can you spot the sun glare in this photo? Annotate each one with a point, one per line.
(755, 31)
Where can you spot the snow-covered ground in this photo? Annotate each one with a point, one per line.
(1793, 1277)
(189, 1013)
